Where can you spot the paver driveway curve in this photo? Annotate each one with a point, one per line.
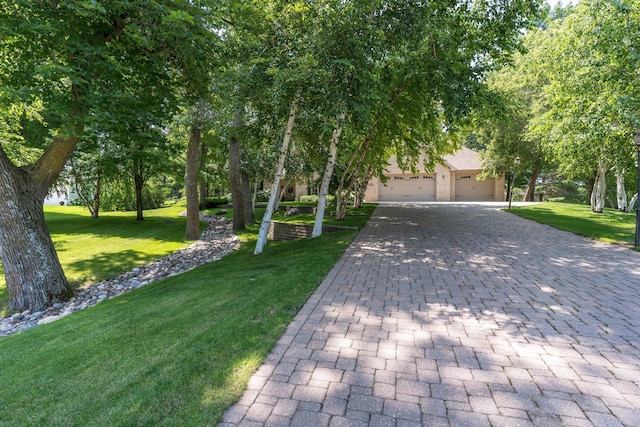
(459, 315)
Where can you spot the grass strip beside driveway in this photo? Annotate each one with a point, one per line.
(611, 226)
(177, 352)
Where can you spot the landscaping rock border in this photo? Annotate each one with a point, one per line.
(215, 242)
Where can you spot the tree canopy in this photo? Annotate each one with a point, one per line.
(351, 81)
(569, 102)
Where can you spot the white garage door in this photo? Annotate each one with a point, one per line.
(409, 188)
(469, 188)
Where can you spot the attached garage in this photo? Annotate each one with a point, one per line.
(409, 188)
(469, 188)
(455, 179)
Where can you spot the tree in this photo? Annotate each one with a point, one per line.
(502, 124)
(67, 59)
(436, 57)
(87, 170)
(195, 81)
(192, 163)
(593, 91)
(266, 218)
(235, 174)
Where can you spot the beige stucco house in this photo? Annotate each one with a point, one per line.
(454, 180)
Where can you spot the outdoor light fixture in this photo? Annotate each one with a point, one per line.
(516, 162)
(636, 139)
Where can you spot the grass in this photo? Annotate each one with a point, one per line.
(354, 217)
(611, 226)
(91, 250)
(177, 352)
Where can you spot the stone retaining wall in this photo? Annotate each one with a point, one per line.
(289, 231)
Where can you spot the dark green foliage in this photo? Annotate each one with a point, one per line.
(213, 202)
(120, 196)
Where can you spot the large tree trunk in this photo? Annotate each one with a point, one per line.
(326, 179)
(192, 231)
(34, 276)
(235, 175)
(266, 219)
(621, 193)
(599, 189)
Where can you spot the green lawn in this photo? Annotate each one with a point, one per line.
(610, 226)
(177, 352)
(91, 250)
(353, 218)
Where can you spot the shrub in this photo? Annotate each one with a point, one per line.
(313, 198)
(565, 191)
(262, 195)
(213, 202)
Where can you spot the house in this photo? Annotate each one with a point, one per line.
(454, 180)
(63, 195)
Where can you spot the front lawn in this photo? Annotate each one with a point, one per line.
(176, 352)
(91, 250)
(610, 226)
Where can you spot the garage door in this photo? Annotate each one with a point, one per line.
(469, 188)
(409, 188)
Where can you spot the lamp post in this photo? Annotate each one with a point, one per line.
(516, 162)
(636, 139)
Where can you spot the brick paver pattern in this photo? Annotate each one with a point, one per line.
(459, 315)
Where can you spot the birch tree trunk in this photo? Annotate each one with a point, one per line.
(266, 219)
(632, 203)
(279, 198)
(362, 188)
(192, 231)
(326, 179)
(599, 189)
(621, 193)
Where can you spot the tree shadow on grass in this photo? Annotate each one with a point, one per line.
(165, 228)
(105, 266)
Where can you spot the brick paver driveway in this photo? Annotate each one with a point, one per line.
(460, 315)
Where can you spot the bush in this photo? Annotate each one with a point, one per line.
(565, 191)
(313, 198)
(262, 195)
(309, 199)
(213, 202)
